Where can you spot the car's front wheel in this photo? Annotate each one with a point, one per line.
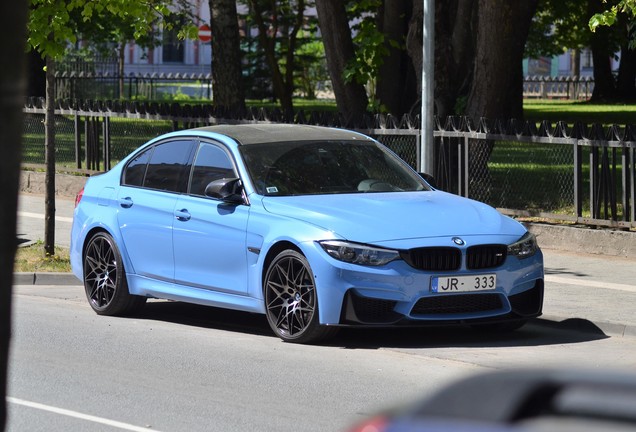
(105, 278)
(291, 300)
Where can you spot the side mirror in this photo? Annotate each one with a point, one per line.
(228, 190)
(428, 178)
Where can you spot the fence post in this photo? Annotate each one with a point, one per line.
(418, 151)
(88, 151)
(632, 189)
(106, 133)
(625, 178)
(578, 179)
(78, 144)
(465, 167)
(593, 180)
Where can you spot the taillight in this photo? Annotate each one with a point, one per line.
(79, 196)
(374, 424)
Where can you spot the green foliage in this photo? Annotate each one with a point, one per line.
(557, 26)
(611, 16)
(370, 43)
(54, 24)
(370, 53)
(279, 21)
(312, 69)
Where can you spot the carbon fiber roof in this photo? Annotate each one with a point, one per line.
(252, 133)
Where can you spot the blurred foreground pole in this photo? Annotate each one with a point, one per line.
(12, 84)
(427, 148)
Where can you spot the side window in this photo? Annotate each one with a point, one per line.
(166, 166)
(136, 169)
(211, 163)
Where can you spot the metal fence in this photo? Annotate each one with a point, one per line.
(150, 86)
(558, 172)
(86, 84)
(563, 87)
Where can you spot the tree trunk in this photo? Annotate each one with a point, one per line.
(626, 83)
(575, 68)
(626, 80)
(12, 87)
(455, 27)
(121, 49)
(49, 159)
(351, 98)
(604, 83)
(227, 78)
(414, 40)
(282, 84)
(36, 76)
(497, 90)
(290, 62)
(396, 86)
(497, 87)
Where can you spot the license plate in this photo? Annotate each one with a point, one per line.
(448, 284)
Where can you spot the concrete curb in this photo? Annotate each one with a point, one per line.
(66, 185)
(45, 279)
(582, 239)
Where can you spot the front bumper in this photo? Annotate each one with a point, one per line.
(398, 294)
(444, 309)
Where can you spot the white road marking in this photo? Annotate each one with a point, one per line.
(590, 283)
(41, 216)
(77, 415)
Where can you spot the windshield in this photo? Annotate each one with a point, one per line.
(327, 167)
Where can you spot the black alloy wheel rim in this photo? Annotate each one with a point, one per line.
(100, 272)
(290, 296)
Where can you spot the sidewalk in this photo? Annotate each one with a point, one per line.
(596, 288)
(588, 291)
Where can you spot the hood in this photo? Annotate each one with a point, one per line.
(385, 217)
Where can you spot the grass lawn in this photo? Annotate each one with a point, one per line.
(33, 259)
(573, 111)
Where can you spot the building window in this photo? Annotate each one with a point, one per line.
(172, 47)
(586, 59)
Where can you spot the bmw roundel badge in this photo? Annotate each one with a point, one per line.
(458, 241)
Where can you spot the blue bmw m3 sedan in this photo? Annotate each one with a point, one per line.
(317, 228)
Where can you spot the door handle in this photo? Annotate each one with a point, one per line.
(182, 215)
(126, 202)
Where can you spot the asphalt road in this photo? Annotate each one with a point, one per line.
(31, 219)
(179, 367)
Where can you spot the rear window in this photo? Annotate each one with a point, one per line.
(160, 167)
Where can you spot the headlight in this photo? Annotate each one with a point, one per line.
(525, 247)
(356, 253)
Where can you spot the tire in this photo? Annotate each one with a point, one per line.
(105, 279)
(291, 302)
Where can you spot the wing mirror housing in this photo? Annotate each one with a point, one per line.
(428, 178)
(228, 190)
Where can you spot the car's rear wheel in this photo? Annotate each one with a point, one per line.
(291, 300)
(105, 278)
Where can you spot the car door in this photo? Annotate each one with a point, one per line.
(149, 191)
(209, 235)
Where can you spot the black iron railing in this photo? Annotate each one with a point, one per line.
(578, 173)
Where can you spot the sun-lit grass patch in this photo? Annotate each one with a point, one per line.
(33, 259)
(575, 111)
